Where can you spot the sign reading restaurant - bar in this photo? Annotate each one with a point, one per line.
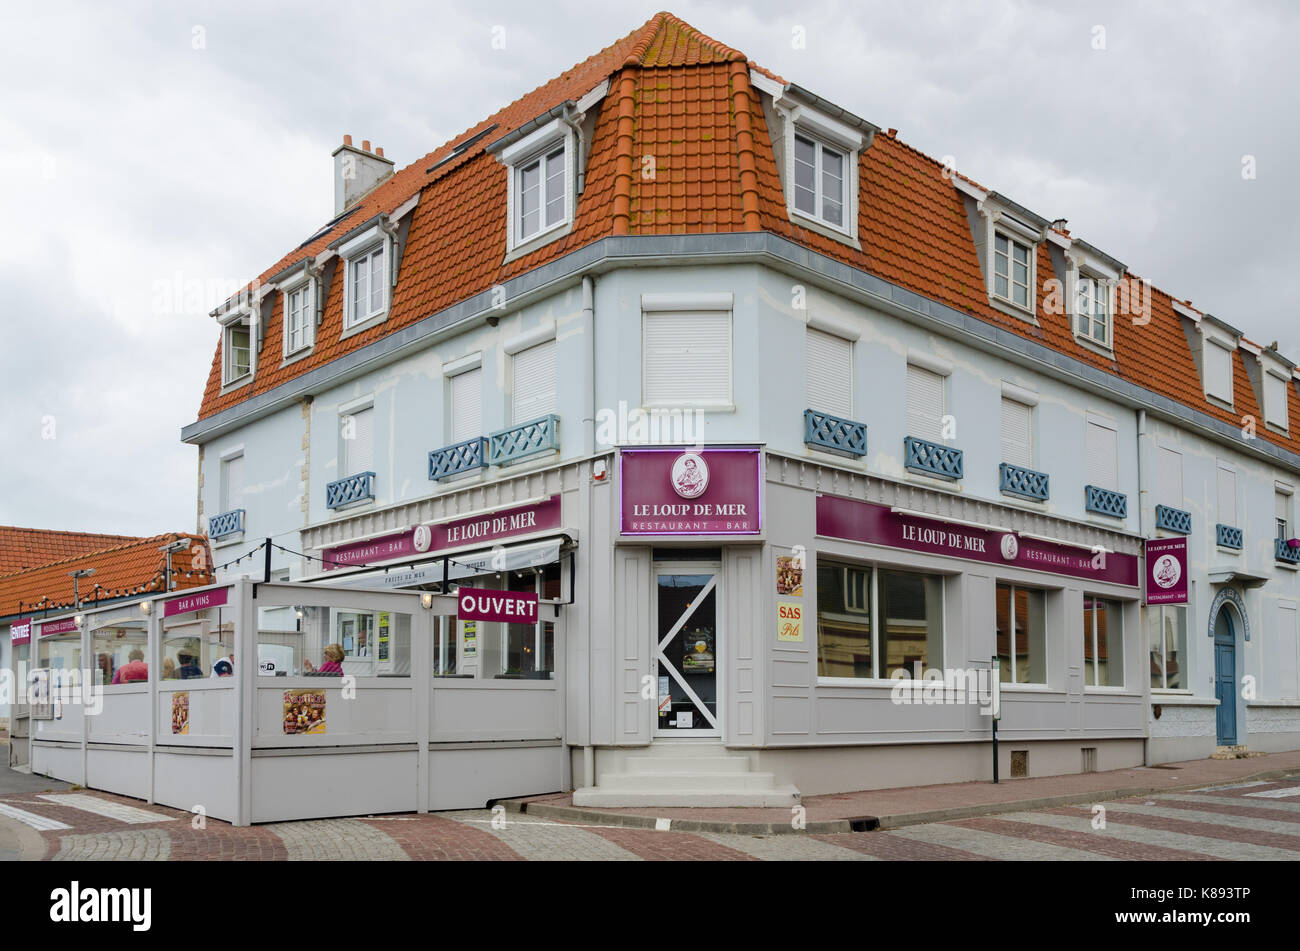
(675, 491)
(880, 525)
(485, 528)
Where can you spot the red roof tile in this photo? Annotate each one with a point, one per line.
(29, 547)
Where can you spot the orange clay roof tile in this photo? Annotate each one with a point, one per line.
(30, 547)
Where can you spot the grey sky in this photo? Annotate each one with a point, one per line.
(155, 156)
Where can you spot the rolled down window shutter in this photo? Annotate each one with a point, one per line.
(466, 405)
(359, 451)
(925, 406)
(1169, 477)
(1017, 433)
(233, 485)
(687, 358)
(1227, 497)
(1275, 393)
(1103, 469)
(1218, 371)
(830, 373)
(533, 383)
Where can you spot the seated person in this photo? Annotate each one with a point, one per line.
(189, 667)
(224, 667)
(134, 670)
(333, 660)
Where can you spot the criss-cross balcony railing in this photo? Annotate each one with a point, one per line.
(355, 488)
(227, 523)
(834, 434)
(1227, 536)
(457, 458)
(932, 458)
(1285, 553)
(527, 439)
(1105, 502)
(1026, 483)
(1173, 520)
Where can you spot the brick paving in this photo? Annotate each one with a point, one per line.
(1076, 838)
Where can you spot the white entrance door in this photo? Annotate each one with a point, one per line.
(686, 654)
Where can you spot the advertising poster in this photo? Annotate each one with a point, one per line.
(181, 712)
(470, 632)
(789, 621)
(697, 652)
(789, 576)
(383, 635)
(304, 711)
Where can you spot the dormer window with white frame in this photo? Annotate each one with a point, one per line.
(1007, 238)
(1093, 316)
(819, 172)
(1217, 348)
(236, 348)
(1277, 376)
(1013, 269)
(366, 281)
(540, 194)
(1092, 279)
(299, 317)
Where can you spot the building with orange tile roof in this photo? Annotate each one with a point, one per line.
(963, 423)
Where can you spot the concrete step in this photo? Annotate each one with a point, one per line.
(699, 796)
(686, 764)
(656, 782)
(1234, 752)
(677, 748)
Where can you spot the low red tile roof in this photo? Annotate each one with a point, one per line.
(127, 568)
(29, 547)
(687, 100)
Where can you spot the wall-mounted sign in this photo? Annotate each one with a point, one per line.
(789, 575)
(484, 528)
(789, 621)
(675, 491)
(880, 525)
(1166, 570)
(64, 626)
(509, 607)
(20, 631)
(195, 602)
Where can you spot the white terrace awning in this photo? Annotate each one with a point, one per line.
(463, 565)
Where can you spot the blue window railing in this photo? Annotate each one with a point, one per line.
(1026, 483)
(834, 434)
(1227, 536)
(1285, 553)
(227, 523)
(1173, 520)
(457, 458)
(1105, 501)
(932, 458)
(355, 488)
(527, 439)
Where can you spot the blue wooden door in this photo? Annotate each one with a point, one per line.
(1225, 679)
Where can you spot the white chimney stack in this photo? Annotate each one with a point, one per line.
(357, 172)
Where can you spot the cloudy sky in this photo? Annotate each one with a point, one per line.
(155, 156)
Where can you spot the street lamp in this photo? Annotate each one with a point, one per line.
(180, 544)
(76, 577)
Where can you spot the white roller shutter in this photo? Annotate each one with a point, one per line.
(925, 403)
(1288, 658)
(532, 388)
(1103, 466)
(830, 373)
(1275, 409)
(466, 405)
(232, 483)
(1169, 477)
(359, 451)
(687, 358)
(1017, 433)
(1227, 497)
(1218, 371)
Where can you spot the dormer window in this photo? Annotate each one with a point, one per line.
(819, 180)
(1091, 278)
(1013, 267)
(1276, 386)
(365, 279)
(540, 193)
(299, 318)
(1218, 344)
(1093, 316)
(238, 351)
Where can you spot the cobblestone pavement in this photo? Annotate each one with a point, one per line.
(1258, 820)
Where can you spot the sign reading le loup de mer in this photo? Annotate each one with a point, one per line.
(1166, 570)
(671, 491)
(509, 607)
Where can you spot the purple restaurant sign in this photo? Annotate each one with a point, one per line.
(195, 602)
(879, 525)
(1166, 570)
(509, 607)
(485, 529)
(20, 631)
(65, 626)
(674, 491)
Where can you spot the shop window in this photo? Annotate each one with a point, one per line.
(1103, 643)
(520, 651)
(199, 645)
(448, 640)
(875, 622)
(121, 654)
(1021, 635)
(829, 369)
(313, 641)
(1167, 635)
(687, 359)
(59, 654)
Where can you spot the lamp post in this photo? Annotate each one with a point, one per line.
(76, 577)
(180, 544)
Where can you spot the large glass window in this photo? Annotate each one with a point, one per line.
(872, 622)
(1167, 635)
(1021, 635)
(541, 186)
(121, 652)
(332, 642)
(521, 651)
(61, 652)
(199, 645)
(819, 180)
(1103, 643)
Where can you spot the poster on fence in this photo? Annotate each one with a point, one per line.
(181, 712)
(304, 711)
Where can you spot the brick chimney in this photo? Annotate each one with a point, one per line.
(357, 172)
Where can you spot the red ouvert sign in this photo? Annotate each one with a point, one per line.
(509, 607)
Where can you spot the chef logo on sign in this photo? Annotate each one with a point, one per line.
(422, 538)
(1166, 571)
(690, 475)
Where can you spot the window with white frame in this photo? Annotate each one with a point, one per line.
(1227, 495)
(236, 348)
(465, 400)
(1167, 635)
(873, 622)
(926, 405)
(366, 285)
(1275, 400)
(829, 368)
(542, 194)
(820, 190)
(1093, 312)
(1102, 451)
(1282, 517)
(1169, 477)
(299, 318)
(1012, 270)
(356, 429)
(533, 383)
(1218, 369)
(1017, 433)
(232, 483)
(1021, 630)
(686, 358)
(1103, 643)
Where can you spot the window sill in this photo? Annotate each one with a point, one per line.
(1013, 310)
(226, 541)
(823, 228)
(950, 486)
(1223, 550)
(1181, 698)
(1095, 346)
(236, 384)
(1030, 688)
(1106, 691)
(1290, 702)
(1220, 402)
(365, 325)
(297, 355)
(352, 509)
(538, 241)
(1276, 428)
(686, 404)
(878, 683)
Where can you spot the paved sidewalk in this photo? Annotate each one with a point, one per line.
(912, 805)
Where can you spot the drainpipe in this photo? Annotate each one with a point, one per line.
(574, 121)
(1142, 504)
(589, 364)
